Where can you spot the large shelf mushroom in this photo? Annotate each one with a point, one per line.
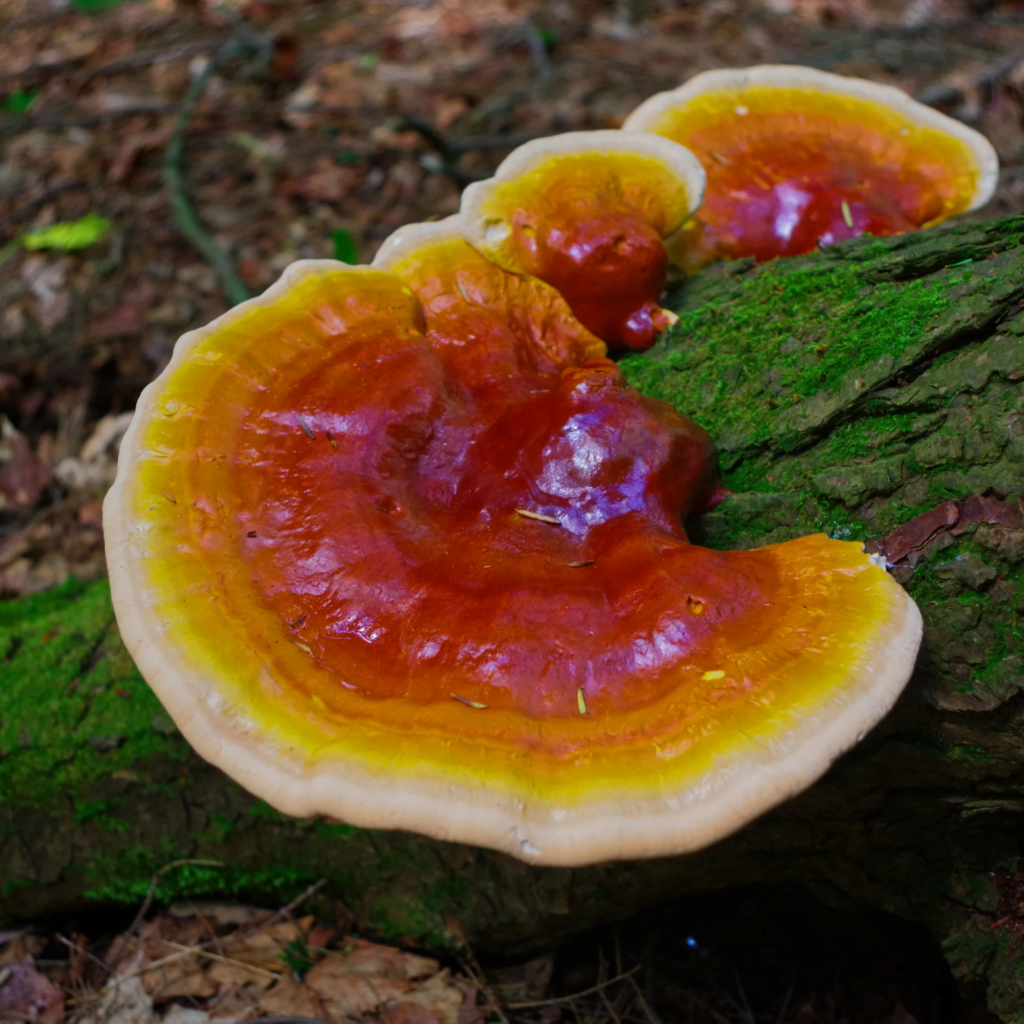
(587, 212)
(415, 580)
(797, 157)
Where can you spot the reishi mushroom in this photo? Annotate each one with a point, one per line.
(497, 332)
(367, 581)
(797, 157)
(587, 212)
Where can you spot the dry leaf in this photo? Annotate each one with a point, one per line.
(347, 994)
(440, 995)
(237, 974)
(23, 475)
(368, 958)
(234, 1002)
(179, 1014)
(292, 998)
(27, 995)
(96, 465)
(408, 1013)
(123, 1001)
(21, 946)
(264, 949)
(237, 916)
(185, 977)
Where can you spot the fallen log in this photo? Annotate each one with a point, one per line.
(872, 391)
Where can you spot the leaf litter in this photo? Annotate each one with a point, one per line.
(196, 964)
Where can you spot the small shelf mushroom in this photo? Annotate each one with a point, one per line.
(497, 332)
(797, 158)
(587, 212)
(367, 580)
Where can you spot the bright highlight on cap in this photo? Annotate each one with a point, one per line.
(797, 158)
(317, 563)
(587, 212)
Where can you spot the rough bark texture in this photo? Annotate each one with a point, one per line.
(871, 391)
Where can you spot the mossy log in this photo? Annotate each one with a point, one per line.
(871, 391)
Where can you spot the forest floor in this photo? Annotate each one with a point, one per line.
(747, 957)
(321, 126)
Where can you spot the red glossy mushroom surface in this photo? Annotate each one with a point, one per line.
(609, 264)
(416, 565)
(792, 168)
(394, 541)
(591, 223)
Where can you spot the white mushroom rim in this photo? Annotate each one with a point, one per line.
(486, 231)
(786, 76)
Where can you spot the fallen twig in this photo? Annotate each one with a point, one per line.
(477, 976)
(155, 882)
(593, 990)
(538, 51)
(451, 150)
(16, 124)
(224, 960)
(286, 910)
(146, 58)
(27, 209)
(649, 1013)
(84, 952)
(234, 290)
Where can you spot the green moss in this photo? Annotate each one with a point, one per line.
(770, 359)
(335, 830)
(816, 329)
(968, 753)
(190, 881)
(75, 709)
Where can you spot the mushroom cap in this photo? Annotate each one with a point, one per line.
(796, 156)
(491, 328)
(587, 212)
(363, 592)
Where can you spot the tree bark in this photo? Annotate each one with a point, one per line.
(872, 391)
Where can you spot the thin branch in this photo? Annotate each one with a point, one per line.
(155, 882)
(437, 165)
(27, 209)
(450, 150)
(593, 990)
(649, 1013)
(89, 956)
(472, 967)
(230, 961)
(174, 178)
(16, 124)
(146, 58)
(286, 910)
(538, 51)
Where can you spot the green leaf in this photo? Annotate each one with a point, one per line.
(91, 6)
(367, 63)
(345, 248)
(67, 235)
(18, 101)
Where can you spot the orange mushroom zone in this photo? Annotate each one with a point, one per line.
(383, 555)
(789, 169)
(592, 226)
